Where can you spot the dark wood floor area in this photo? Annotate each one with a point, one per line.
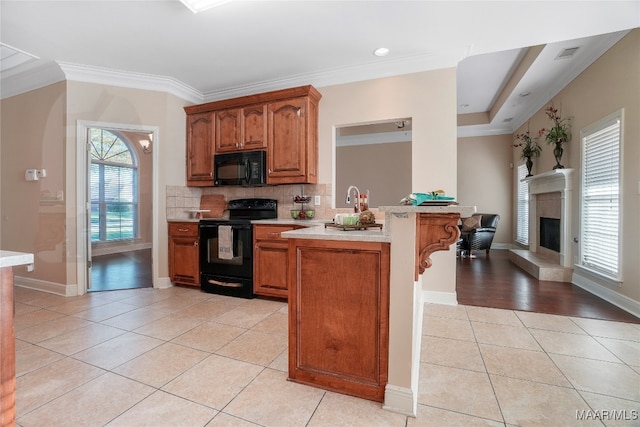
(126, 270)
(494, 281)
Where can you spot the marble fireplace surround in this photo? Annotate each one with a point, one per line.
(550, 196)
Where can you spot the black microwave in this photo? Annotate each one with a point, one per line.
(247, 168)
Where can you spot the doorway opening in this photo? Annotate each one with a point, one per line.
(119, 191)
(117, 196)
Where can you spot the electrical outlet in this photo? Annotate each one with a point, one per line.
(316, 200)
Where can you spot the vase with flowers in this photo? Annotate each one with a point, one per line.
(530, 148)
(558, 134)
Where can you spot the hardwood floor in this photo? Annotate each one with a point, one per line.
(126, 270)
(494, 281)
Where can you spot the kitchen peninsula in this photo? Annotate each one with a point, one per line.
(355, 302)
(8, 260)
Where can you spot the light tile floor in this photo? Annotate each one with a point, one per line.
(179, 357)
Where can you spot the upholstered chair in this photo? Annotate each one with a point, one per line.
(477, 232)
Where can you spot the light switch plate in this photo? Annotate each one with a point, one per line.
(316, 200)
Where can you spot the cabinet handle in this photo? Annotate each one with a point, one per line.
(195, 243)
(298, 112)
(184, 230)
(273, 234)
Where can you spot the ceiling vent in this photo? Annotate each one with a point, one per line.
(567, 53)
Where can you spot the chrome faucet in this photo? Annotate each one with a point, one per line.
(348, 201)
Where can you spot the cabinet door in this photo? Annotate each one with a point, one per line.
(200, 149)
(286, 142)
(254, 127)
(184, 263)
(228, 130)
(270, 269)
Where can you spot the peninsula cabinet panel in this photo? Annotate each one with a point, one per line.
(339, 316)
(184, 263)
(292, 142)
(200, 134)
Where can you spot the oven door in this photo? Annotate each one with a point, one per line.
(237, 264)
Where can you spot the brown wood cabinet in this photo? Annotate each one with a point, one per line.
(270, 260)
(292, 143)
(7, 349)
(200, 132)
(339, 315)
(240, 129)
(184, 263)
(285, 122)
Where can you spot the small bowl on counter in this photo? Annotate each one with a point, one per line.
(303, 214)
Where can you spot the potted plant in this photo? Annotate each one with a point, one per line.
(558, 134)
(530, 148)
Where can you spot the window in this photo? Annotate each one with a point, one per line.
(114, 187)
(600, 197)
(522, 213)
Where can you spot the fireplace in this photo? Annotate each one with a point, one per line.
(550, 233)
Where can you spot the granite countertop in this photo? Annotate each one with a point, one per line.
(322, 233)
(11, 259)
(464, 211)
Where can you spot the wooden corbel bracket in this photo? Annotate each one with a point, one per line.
(435, 232)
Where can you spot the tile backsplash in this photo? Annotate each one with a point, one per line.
(182, 199)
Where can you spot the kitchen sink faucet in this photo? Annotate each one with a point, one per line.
(348, 201)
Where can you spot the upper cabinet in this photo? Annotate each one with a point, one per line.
(284, 122)
(292, 144)
(199, 149)
(240, 129)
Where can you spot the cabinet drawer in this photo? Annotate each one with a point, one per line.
(183, 229)
(272, 232)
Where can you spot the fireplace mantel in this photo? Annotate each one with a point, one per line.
(548, 182)
(557, 180)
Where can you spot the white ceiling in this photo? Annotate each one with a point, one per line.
(245, 47)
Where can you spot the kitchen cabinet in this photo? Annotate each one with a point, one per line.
(200, 134)
(239, 129)
(339, 315)
(292, 143)
(184, 264)
(270, 260)
(284, 122)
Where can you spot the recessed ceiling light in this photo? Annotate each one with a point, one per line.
(196, 6)
(464, 105)
(381, 51)
(523, 94)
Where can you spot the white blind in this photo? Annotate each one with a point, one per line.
(522, 214)
(601, 198)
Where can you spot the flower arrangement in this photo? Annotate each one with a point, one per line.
(560, 132)
(530, 146)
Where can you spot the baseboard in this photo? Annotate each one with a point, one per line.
(625, 303)
(436, 297)
(163, 283)
(400, 400)
(45, 286)
(99, 250)
(501, 246)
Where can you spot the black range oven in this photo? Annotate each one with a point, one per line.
(226, 247)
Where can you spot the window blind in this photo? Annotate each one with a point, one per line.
(522, 214)
(600, 213)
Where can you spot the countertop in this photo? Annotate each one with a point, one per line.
(464, 211)
(11, 259)
(322, 233)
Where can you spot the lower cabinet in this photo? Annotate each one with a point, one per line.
(184, 263)
(270, 260)
(339, 315)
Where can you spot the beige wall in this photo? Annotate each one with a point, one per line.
(611, 83)
(484, 179)
(32, 138)
(385, 169)
(429, 98)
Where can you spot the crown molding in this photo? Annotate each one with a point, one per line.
(82, 73)
(30, 79)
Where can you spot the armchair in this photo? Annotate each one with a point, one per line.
(477, 231)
